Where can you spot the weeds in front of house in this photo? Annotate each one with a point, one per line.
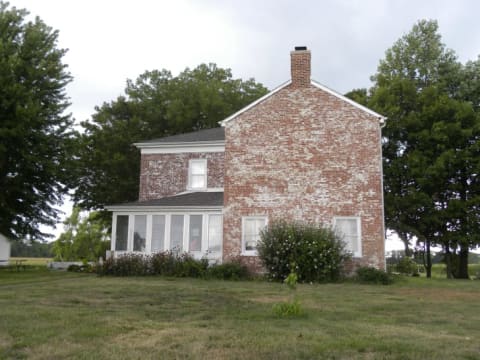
(169, 263)
(293, 307)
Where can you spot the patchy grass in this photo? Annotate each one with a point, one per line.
(61, 315)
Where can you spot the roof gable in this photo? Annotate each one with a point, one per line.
(316, 84)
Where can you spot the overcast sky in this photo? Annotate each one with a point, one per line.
(110, 41)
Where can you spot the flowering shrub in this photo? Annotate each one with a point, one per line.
(316, 253)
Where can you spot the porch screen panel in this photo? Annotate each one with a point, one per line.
(158, 233)
(214, 233)
(121, 234)
(195, 233)
(140, 233)
(176, 233)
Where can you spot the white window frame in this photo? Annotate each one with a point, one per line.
(245, 252)
(150, 234)
(167, 240)
(146, 233)
(204, 164)
(356, 254)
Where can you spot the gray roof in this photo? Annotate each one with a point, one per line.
(195, 199)
(214, 134)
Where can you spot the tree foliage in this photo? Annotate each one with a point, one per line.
(34, 130)
(31, 249)
(84, 238)
(430, 142)
(155, 105)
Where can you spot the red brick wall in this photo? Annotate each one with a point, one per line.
(167, 174)
(300, 68)
(304, 154)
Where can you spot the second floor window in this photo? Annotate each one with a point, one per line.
(197, 174)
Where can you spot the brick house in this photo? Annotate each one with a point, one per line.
(301, 152)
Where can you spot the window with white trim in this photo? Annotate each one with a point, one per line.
(195, 233)
(176, 233)
(214, 234)
(121, 233)
(349, 228)
(158, 233)
(139, 233)
(197, 174)
(251, 227)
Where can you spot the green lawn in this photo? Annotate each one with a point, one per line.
(60, 315)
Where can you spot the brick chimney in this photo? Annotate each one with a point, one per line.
(300, 66)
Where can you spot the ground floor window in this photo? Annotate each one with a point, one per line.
(198, 233)
(251, 227)
(121, 237)
(176, 233)
(350, 228)
(158, 233)
(195, 233)
(215, 230)
(140, 233)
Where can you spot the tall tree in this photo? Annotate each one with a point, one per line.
(430, 143)
(34, 130)
(85, 238)
(155, 105)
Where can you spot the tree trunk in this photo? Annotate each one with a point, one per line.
(463, 262)
(404, 238)
(408, 251)
(427, 258)
(448, 262)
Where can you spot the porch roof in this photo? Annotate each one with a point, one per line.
(204, 199)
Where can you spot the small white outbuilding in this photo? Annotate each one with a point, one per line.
(4, 250)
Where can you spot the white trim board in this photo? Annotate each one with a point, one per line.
(132, 208)
(178, 148)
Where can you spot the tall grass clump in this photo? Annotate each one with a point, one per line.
(317, 253)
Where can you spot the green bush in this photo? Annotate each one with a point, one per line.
(371, 275)
(407, 266)
(170, 264)
(125, 265)
(163, 263)
(228, 271)
(187, 266)
(86, 268)
(316, 253)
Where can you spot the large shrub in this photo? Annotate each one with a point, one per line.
(313, 252)
(407, 266)
(371, 275)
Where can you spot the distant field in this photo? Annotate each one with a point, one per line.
(61, 315)
(31, 261)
